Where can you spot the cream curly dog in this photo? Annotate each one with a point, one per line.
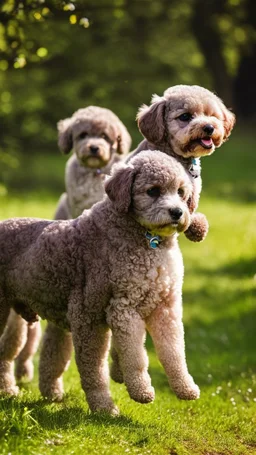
(187, 122)
(118, 266)
(98, 139)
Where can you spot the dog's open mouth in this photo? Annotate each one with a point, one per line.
(206, 142)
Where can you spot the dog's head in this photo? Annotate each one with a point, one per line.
(191, 120)
(95, 134)
(154, 188)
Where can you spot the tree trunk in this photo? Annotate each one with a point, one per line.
(244, 85)
(208, 38)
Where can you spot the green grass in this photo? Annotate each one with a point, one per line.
(220, 332)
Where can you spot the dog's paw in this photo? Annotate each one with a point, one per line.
(192, 393)
(11, 391)
(54, 397)
(198, 228)
(52, 392)
(111, 410)
(7, 380)
(101, 402)
(142, 396)
(187, 389)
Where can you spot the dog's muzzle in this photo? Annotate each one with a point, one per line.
(208, 129)
(94, 150)
(176, 214)
(207, 141)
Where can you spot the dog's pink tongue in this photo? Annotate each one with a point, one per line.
(207, 142)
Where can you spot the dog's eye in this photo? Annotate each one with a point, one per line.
(181, 192)
(104, 136)
(186, 117)
(83, 135)
(154, 191)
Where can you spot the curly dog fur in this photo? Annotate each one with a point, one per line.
(98, 139)
(187, 122)
(98, 272)
(19, 341)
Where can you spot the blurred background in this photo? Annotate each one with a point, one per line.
(58, 56)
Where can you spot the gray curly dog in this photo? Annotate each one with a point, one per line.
(98, 272)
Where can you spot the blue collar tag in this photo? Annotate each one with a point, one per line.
(154, 240)
(194, 169)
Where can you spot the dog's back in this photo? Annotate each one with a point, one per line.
(16, 234)
(29, 271)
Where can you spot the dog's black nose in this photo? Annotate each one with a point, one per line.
(208, 129)
(94, 149)
(176, 213)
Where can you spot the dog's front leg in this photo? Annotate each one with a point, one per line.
(91, 343)
(128, 341)
(54, 360)
(166, 328)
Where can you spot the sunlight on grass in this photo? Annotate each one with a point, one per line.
(38, 205)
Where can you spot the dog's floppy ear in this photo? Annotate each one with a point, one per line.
(119, 187)
(65, 141)
(124, 140)
(151, 120)
(228, 122)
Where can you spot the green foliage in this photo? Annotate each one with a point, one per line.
(58, 56)
(17, 46)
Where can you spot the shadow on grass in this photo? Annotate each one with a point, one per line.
(52, 416)
(242, 268)
(221, 351)
(238, 191)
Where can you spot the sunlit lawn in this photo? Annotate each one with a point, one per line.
(220, 328)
